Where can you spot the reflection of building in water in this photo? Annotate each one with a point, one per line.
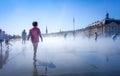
(105, 27)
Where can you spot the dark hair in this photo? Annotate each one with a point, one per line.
(35, 23)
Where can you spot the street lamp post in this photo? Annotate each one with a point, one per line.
(73, 27)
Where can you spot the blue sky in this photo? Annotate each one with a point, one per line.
(16, 15)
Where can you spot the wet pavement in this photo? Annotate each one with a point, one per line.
(62, 57)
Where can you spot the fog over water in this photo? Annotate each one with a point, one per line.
(63, 57)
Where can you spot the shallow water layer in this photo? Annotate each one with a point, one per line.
(62, 57)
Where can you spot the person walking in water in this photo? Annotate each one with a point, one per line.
(35, 33)
(24, 35)
(114, 37)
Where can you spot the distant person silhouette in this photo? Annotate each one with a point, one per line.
(24, 36)
(35, 33)
(96, 36)
(65, 35)
(114, 37)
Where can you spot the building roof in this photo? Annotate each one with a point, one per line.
(105, 21)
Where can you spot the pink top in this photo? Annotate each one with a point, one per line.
(35, 33)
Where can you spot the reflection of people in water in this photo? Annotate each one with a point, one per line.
(35, 72)
(24, 50)
(1, 63)
(3, 58)
(6, 56)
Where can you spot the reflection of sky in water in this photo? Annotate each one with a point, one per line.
(62, 57)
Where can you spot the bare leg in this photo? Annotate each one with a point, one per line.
(0, 45)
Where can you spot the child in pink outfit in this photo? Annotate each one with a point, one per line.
(35, 33)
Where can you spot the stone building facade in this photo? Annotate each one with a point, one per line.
(106, 27)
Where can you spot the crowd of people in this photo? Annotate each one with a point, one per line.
(4, 39)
